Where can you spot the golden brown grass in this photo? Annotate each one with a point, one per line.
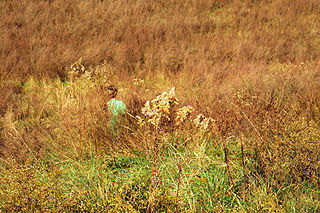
(252, 66)
(43, 37)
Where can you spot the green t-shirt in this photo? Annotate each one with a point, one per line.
(116, 110)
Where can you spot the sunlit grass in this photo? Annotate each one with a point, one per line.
(223, 106)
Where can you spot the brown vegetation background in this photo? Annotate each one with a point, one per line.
(226, 38)
(214, 52)
(251, 65)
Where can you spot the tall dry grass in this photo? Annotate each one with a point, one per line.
(43, 37)
(253, 66)
(222, 42)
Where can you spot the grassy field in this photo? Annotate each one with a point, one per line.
(232, 125)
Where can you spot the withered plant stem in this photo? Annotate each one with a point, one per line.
(80, 126)
(178, 189)
(244, 168)
(154, 155)
(226, 161)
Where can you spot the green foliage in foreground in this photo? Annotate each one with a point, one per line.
(65, 161)
(121, 182)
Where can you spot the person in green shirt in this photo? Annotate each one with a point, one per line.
(116, 110)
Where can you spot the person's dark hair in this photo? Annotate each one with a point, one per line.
(112, 91)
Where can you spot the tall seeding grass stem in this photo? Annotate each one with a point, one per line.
(244, 167)
(260, 163)
(178, 189)
(226, 161)
(80, 126)
(154, 155)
